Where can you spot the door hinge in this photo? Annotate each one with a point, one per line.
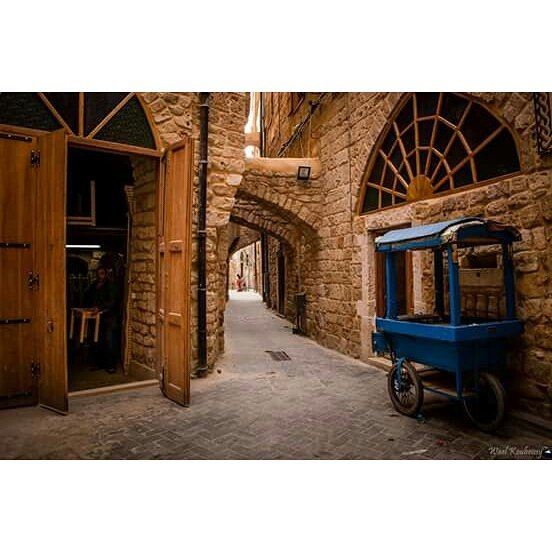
(35, 369)
(35, 158)
(33, 280)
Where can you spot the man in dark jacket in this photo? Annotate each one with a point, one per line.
(102, 296)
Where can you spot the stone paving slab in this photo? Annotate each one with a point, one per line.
(318, 405)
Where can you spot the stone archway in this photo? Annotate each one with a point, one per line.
(274, 182)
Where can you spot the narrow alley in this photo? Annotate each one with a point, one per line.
(316, 404)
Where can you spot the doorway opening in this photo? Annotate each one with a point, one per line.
(100, 189)
(405, 296)
(37, 220)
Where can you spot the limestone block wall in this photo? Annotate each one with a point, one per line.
(339, 274)
(176, 115)
(273, 248)
(141, 359)
(283, 112)
(332, 303)
(274, 183)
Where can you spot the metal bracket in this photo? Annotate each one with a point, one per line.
(10, 136)
(33, 280)
(35, 158)
(35, 369)
(14, 245)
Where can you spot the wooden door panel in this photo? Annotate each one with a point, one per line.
(16, 358)
(51, 262)
(16, 271)
(17, 188)
(174, 249)
(18, 322)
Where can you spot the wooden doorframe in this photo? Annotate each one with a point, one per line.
(380, 275)
(122, 149)
(88, 143)
(159, 155)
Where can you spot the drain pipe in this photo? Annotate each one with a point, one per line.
(202, 235)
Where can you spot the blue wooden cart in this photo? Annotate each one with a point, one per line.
(447, 352)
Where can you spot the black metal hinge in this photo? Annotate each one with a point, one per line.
(35, 158)
(35, 369)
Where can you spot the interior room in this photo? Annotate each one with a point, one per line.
(99, 186)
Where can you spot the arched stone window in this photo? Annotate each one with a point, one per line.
(117, 117)
(436, 143)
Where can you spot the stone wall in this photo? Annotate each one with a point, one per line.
(339, 274)
(283, 113)
(141, 348)
(175, 116)
(273, 245)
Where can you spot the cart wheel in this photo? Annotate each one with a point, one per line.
(486, 410)
(408, 395)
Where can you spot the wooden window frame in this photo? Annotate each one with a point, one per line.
(82, 139)
(83, 220)
(400, 191)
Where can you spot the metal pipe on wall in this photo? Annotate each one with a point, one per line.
(261, 126)
(202, 234)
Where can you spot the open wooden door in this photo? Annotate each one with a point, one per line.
(175, 248)
(18, 294)
(50, 222)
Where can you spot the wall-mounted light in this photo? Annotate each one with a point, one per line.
(303, 172)
(82, 246)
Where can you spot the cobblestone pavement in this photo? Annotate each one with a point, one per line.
(319, 404)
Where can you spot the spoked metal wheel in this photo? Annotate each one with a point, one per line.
(406, 392)
(486, 409)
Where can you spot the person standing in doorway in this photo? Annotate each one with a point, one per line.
(102, 296)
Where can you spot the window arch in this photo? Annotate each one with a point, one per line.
(117, 117)
(437, 143)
